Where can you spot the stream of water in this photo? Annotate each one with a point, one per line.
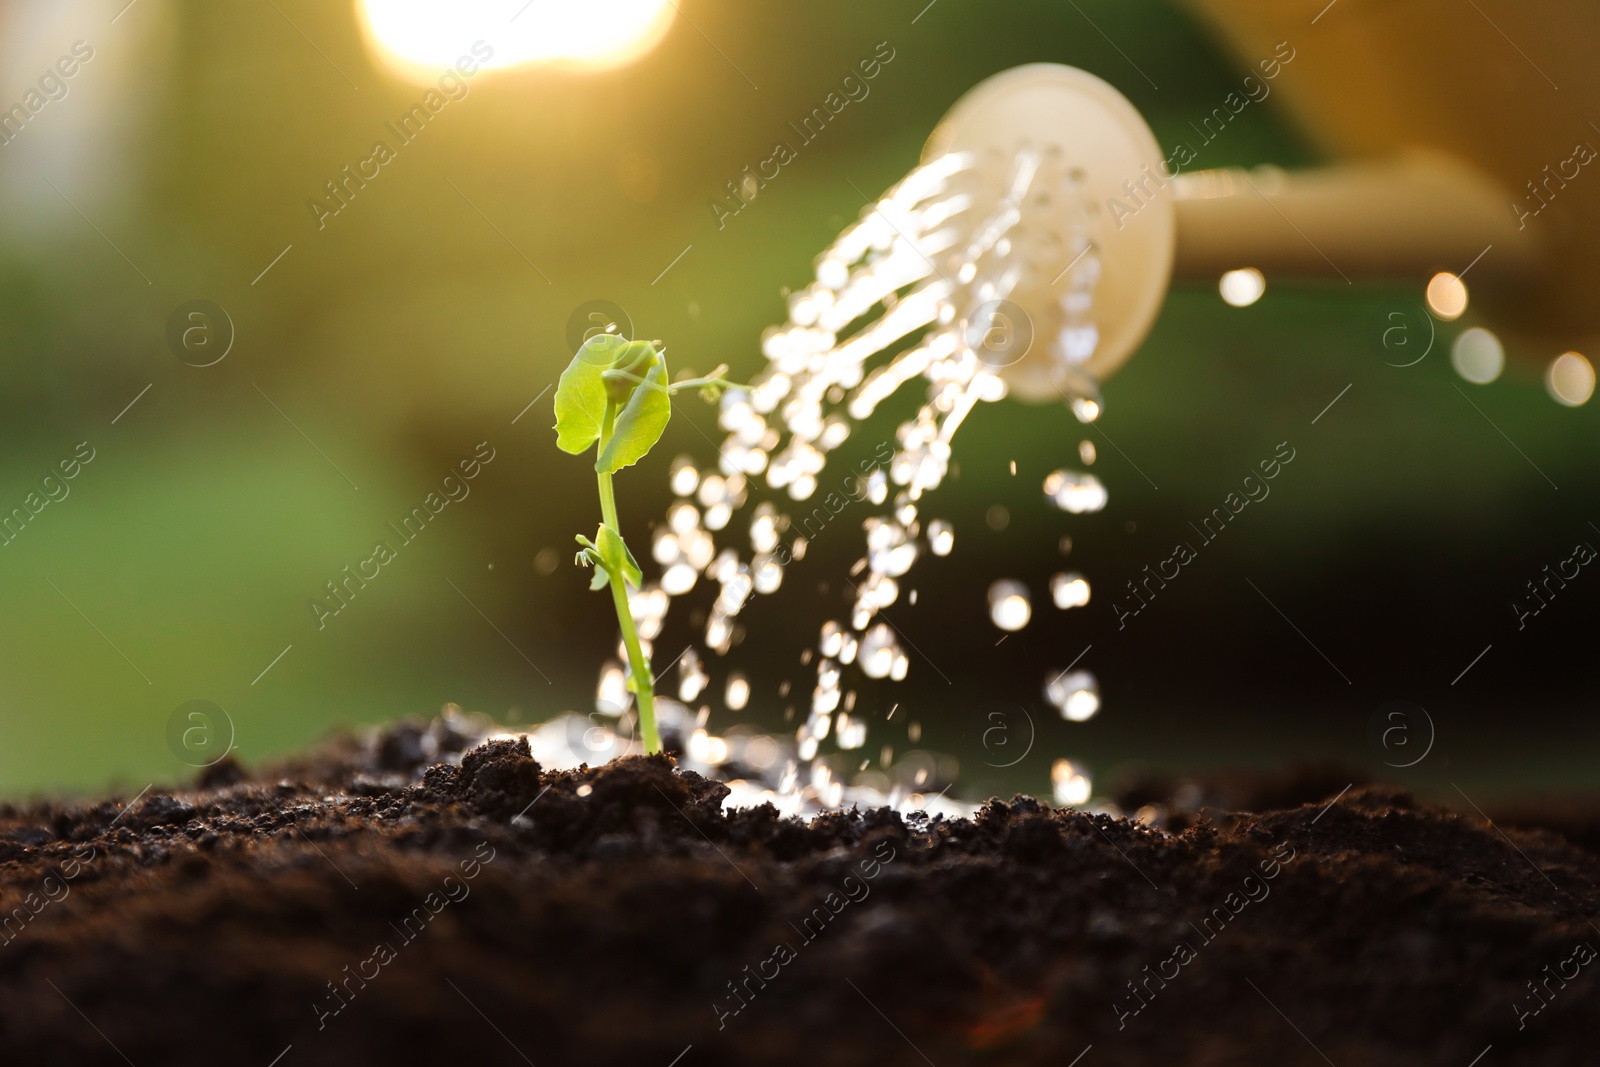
(905, 293)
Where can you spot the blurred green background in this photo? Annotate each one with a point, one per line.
(380, 350)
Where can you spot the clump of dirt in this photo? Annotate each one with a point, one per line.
(402, 898)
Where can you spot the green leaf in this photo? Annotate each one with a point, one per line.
(618, 560)
(633, 573)
(640, 424)
(581, 393)
(629, 364)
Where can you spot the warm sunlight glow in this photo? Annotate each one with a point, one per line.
(422, 38)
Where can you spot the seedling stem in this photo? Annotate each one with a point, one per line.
(615, 395)
(644, 690)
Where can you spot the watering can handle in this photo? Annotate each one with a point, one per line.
(1401, 219)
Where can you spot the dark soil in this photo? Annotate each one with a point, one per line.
(361, 908)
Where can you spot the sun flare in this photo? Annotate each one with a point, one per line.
(419, 38)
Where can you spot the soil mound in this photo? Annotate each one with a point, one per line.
(367, 904)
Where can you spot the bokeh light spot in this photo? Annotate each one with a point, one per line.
(1447, 296)
(1478, 356)
(1570, 379)
(1241, 288)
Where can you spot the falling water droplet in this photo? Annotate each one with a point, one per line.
(766, 573)
(1074, 492)
(850, 731)
(692, 678)
(832, 639)
(825, 697)
(738, 692)
(683, 518)
(764, 529)
(678, 579)
(1076, 694)
(707, 749)
(665, 547)
(879, 652)
(1069, 590)
(1070, 782)
(612, 697)
(890, 551)
(1010, 606)
(684, 477)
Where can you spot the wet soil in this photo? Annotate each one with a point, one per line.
(361, 906)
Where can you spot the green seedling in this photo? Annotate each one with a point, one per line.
(615, 396)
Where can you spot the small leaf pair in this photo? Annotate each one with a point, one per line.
(608, 554)
(618, 380)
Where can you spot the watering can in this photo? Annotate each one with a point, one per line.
(1459, 136)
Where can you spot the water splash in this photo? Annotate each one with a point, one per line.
(904, 294)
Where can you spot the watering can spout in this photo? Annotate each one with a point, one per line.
(1145, 219)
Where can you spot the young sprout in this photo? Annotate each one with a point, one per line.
(615, 395)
